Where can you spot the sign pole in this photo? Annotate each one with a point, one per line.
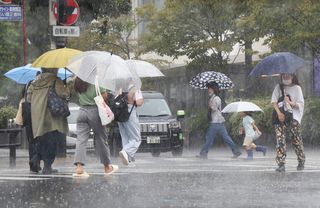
(24, 32)
(52, 21)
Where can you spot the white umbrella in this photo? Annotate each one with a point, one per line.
(241, 106)
(111, 70)
(144, 69)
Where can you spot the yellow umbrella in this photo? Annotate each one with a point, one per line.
(56, 58)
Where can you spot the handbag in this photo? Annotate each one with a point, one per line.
(105, 113)
(57, 105)
(256, 135)
(288, 114)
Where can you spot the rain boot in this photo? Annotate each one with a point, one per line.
(249, 154)
(281, 168)
(262, 149)
(300, 166)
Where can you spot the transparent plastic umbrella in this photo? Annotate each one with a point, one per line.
(111, 70)
(144, 68)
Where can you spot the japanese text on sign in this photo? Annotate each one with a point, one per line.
(10, 13)
(66, 31)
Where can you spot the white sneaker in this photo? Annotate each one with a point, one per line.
(131, 165)
(124, 157)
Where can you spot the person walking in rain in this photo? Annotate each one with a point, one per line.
(216, 126)
(23, 119)
(130, 130)
(88, 118)
(293, 101)
(251, 132)
(46, 128)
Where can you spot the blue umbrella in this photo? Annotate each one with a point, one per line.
(278, 63)
(27, 73)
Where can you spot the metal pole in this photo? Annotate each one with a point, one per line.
(24, 32)
(52, 21)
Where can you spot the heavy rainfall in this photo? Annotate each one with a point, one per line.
(159, 103)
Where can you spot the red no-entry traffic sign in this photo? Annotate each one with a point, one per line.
(6, 1)
(69, 9)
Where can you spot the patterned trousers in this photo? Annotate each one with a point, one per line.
(292, 131)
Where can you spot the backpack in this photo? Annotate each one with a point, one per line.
(119, 107)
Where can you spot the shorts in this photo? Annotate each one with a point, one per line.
(247, 141)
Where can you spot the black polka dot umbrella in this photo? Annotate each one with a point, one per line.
(201, 80)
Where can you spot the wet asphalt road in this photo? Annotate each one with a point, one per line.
(167, 182)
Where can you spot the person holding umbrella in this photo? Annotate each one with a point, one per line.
(252, 132)
(46, 128)
(288, 96)
(216, 125)
(89, 118)
(130, 129)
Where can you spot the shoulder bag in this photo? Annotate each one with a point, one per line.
(288, 114)
(58, 106)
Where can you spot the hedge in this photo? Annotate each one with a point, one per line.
(6, 112)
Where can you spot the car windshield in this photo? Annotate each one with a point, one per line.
(72, 119)
(154, 107)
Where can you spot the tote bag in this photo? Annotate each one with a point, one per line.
(105, 113)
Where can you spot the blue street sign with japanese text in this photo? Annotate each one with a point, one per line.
(10, 13)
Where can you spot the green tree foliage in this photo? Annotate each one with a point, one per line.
(108, 34)
(289, 25)
(199, 29)
(10, 51)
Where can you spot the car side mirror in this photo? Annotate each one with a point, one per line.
(180, 114)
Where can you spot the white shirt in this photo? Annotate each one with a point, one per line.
(296, 96)
(215, 105)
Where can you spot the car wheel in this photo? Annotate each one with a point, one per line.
(177, 151)
(155, 153)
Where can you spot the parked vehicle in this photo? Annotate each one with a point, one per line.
(160, 130)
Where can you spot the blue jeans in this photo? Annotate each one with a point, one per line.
(212, 132)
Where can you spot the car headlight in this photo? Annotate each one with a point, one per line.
(174, 125)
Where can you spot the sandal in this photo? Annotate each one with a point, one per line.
(84, 174)
(114, 169)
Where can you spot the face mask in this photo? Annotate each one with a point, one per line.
(287, 81)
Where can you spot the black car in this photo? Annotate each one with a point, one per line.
(160, 130)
